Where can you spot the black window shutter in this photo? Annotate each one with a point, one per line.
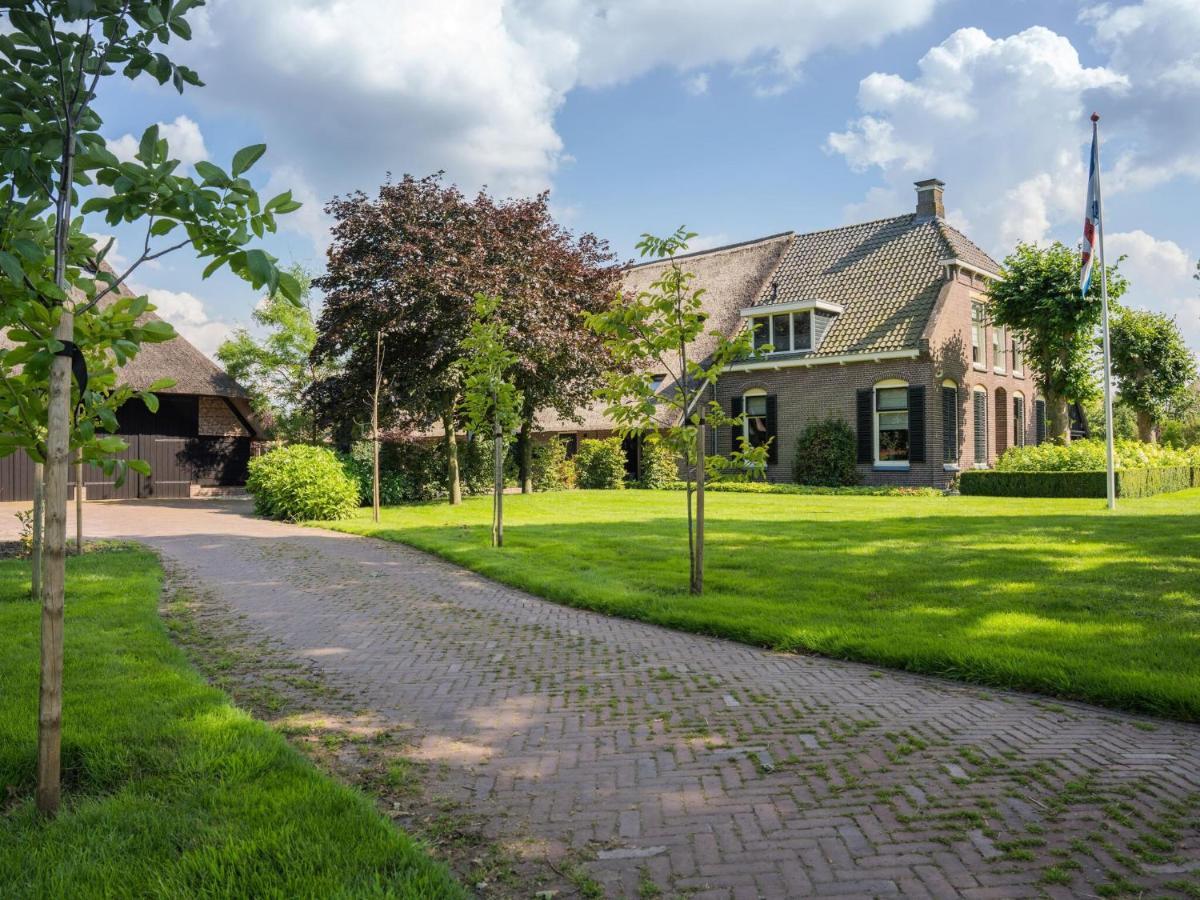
(916, 424)
(866, 424)
(949, 425)
(1039, 411)
(772, 430)
(736, 405)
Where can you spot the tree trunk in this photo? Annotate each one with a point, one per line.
(698, 572)
(1058, 414)
(1145, 425)
(498, 486)
(80, 496)
(39, 521)
(49, 766)
(526, 456)
(451, 443)
(375, 426)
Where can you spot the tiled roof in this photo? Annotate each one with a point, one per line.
(885, 274)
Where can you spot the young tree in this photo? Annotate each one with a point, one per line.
(490, 397)
(1153, 364)
(69, 308)
(1038, 297)
(653, 332)
(549, 282)
(278, 369)
(406, 265)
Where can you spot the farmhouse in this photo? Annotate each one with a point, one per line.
(197, 443)
(882, 324)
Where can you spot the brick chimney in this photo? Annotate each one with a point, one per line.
(929, 199)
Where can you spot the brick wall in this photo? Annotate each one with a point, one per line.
(218, 420)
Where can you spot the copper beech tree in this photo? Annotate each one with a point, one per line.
(407, 265)
(67, 312)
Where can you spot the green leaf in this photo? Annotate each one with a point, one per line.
(151, 402)
(148, 146)
(247, 157)
(12, 268)
(212, 174)
(140, 466)
(259, 265)
(162, 384)
(163, 226)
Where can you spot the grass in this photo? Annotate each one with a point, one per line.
(170, 790)
(1057, 596)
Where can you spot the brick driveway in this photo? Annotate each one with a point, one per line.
(706, 767)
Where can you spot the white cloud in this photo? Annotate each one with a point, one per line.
(347, 90)
(967, 118)
(1160, 277)
(189, 314)
(183, 136)
(696, 85)
(708, 242)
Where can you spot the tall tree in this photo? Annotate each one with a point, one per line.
(1038, 297)
(68, 305)
(491, 399)
(550, 281)
(278, 369)
(405, 265)
(654, 332)
(1153, 364)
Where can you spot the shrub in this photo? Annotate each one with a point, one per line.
(1131, 483)
(394, 484)
(25, 538)
(826, 453)
(1090, 456)
(600, 464)
(659, 465)
(300, 482)
(552, 470)
(753, 487)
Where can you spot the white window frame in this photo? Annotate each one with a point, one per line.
(951, 465)
(753, 392)
(979, 335)
(1018, 358)
(890, 463)
(975, 429)
(999, 345)
(770, 327)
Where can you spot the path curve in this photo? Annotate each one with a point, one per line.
(709, 767)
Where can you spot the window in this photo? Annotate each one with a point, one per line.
(1018, 358)
(949, 422)
(998, 346)
(891, 424)
(1039, 421)
(1018, 420)
(758, 422)
(981, 426)
(785, 332)
(977, 331)
(656, 382)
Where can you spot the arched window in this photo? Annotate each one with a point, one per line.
(891, 424)
(950, 431)
(1018, 419)
(979, 399)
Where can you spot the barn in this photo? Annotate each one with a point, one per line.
(197, 444)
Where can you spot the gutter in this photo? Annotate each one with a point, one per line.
(807, 361)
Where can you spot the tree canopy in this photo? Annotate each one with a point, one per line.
(1153, 364)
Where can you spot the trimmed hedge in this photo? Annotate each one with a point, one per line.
(759, 487)
(1131, 483)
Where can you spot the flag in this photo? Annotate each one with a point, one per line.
(1091, 218)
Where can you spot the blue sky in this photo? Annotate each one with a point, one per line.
(739, 120)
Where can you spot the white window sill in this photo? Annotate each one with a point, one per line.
(1018, 374)
(891, 467)
(979, 367)
(998, 371)
(980, 466)
(950, 467)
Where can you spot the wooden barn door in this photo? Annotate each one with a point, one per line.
(170, 474)
(16, 477)
(104, 487)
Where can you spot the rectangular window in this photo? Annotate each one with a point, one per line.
(781, 333)
(977, 326)
(998, 346)
(949, 424)
(802, 330)
(1018, 358)
(761, 327)
(1018, 421)
(757, 428)
(891, 425)
(981, 405)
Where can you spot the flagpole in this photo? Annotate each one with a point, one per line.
(1108, 413)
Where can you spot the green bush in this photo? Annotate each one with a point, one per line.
(552, 470)
(299, 482)
(1131, 483)
(826, 455)
(1090, 456)
(600, 464)
(659, 465)
(758, 487)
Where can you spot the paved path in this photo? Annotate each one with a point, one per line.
(707, 767)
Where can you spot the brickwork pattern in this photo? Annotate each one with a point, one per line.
(709, 768)
(218, 420)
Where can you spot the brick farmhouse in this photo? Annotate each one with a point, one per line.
(882, 324)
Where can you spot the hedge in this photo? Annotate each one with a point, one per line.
(1131, 483)
(759, 487)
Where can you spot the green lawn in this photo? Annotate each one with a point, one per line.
(170, 791)
(1057, 596)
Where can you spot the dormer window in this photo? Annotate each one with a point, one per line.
(791, 327)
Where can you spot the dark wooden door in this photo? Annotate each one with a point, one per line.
(170, 474)
(16, 477)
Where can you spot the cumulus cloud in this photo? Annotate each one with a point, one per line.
(1001, 120)
(1160, 277)
(347, 90)
(183, 136)
(189, 314)
(697, 84)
